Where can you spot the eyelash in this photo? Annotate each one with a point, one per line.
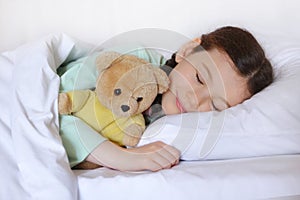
(198, 79)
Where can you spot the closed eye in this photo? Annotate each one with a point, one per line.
(199, 80)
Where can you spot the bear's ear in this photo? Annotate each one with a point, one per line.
(162, 80)
(105, 59)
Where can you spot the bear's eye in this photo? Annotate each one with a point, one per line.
(117, 92)
(139, 99)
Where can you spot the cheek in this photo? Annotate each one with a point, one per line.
(180, 80)
(169, 103)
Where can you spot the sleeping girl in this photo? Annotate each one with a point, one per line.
(212, 73)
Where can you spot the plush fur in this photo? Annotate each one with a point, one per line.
(126, 86)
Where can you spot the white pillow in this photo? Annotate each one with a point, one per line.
(267, 124)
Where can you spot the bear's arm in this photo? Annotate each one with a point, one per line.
(78, 99)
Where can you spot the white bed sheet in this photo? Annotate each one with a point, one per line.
(252, 178)
(35, 166)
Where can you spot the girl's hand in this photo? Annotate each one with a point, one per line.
(186, 49)
(154, 157)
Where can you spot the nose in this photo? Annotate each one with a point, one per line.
(125, 108)
(193, 98)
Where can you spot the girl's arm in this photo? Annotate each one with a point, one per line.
(154, 157)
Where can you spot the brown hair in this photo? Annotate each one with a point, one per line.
(245, 52)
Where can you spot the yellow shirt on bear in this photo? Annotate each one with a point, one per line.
(87, 107)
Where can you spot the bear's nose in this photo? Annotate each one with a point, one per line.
(125, 108)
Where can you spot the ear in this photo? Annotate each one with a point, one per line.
(162, 80)
(105, 59)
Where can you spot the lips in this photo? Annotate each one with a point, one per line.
(179, 106)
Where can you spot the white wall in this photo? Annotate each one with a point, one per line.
(97, 20)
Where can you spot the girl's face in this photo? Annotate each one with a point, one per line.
(204, 81)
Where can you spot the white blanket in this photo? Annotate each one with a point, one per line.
(35, 165)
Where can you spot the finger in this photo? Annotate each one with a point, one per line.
(197, 40)
(155, 163)
(178, 58)
(175, 153)
(157, 156)
(153, 166)
(172, 151)
(179, 55)
(181, 52)
(169, 156)
(163, 162)
(160, 160)
(186, 49)
(168, 149)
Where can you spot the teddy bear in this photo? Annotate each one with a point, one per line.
(126, 86)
